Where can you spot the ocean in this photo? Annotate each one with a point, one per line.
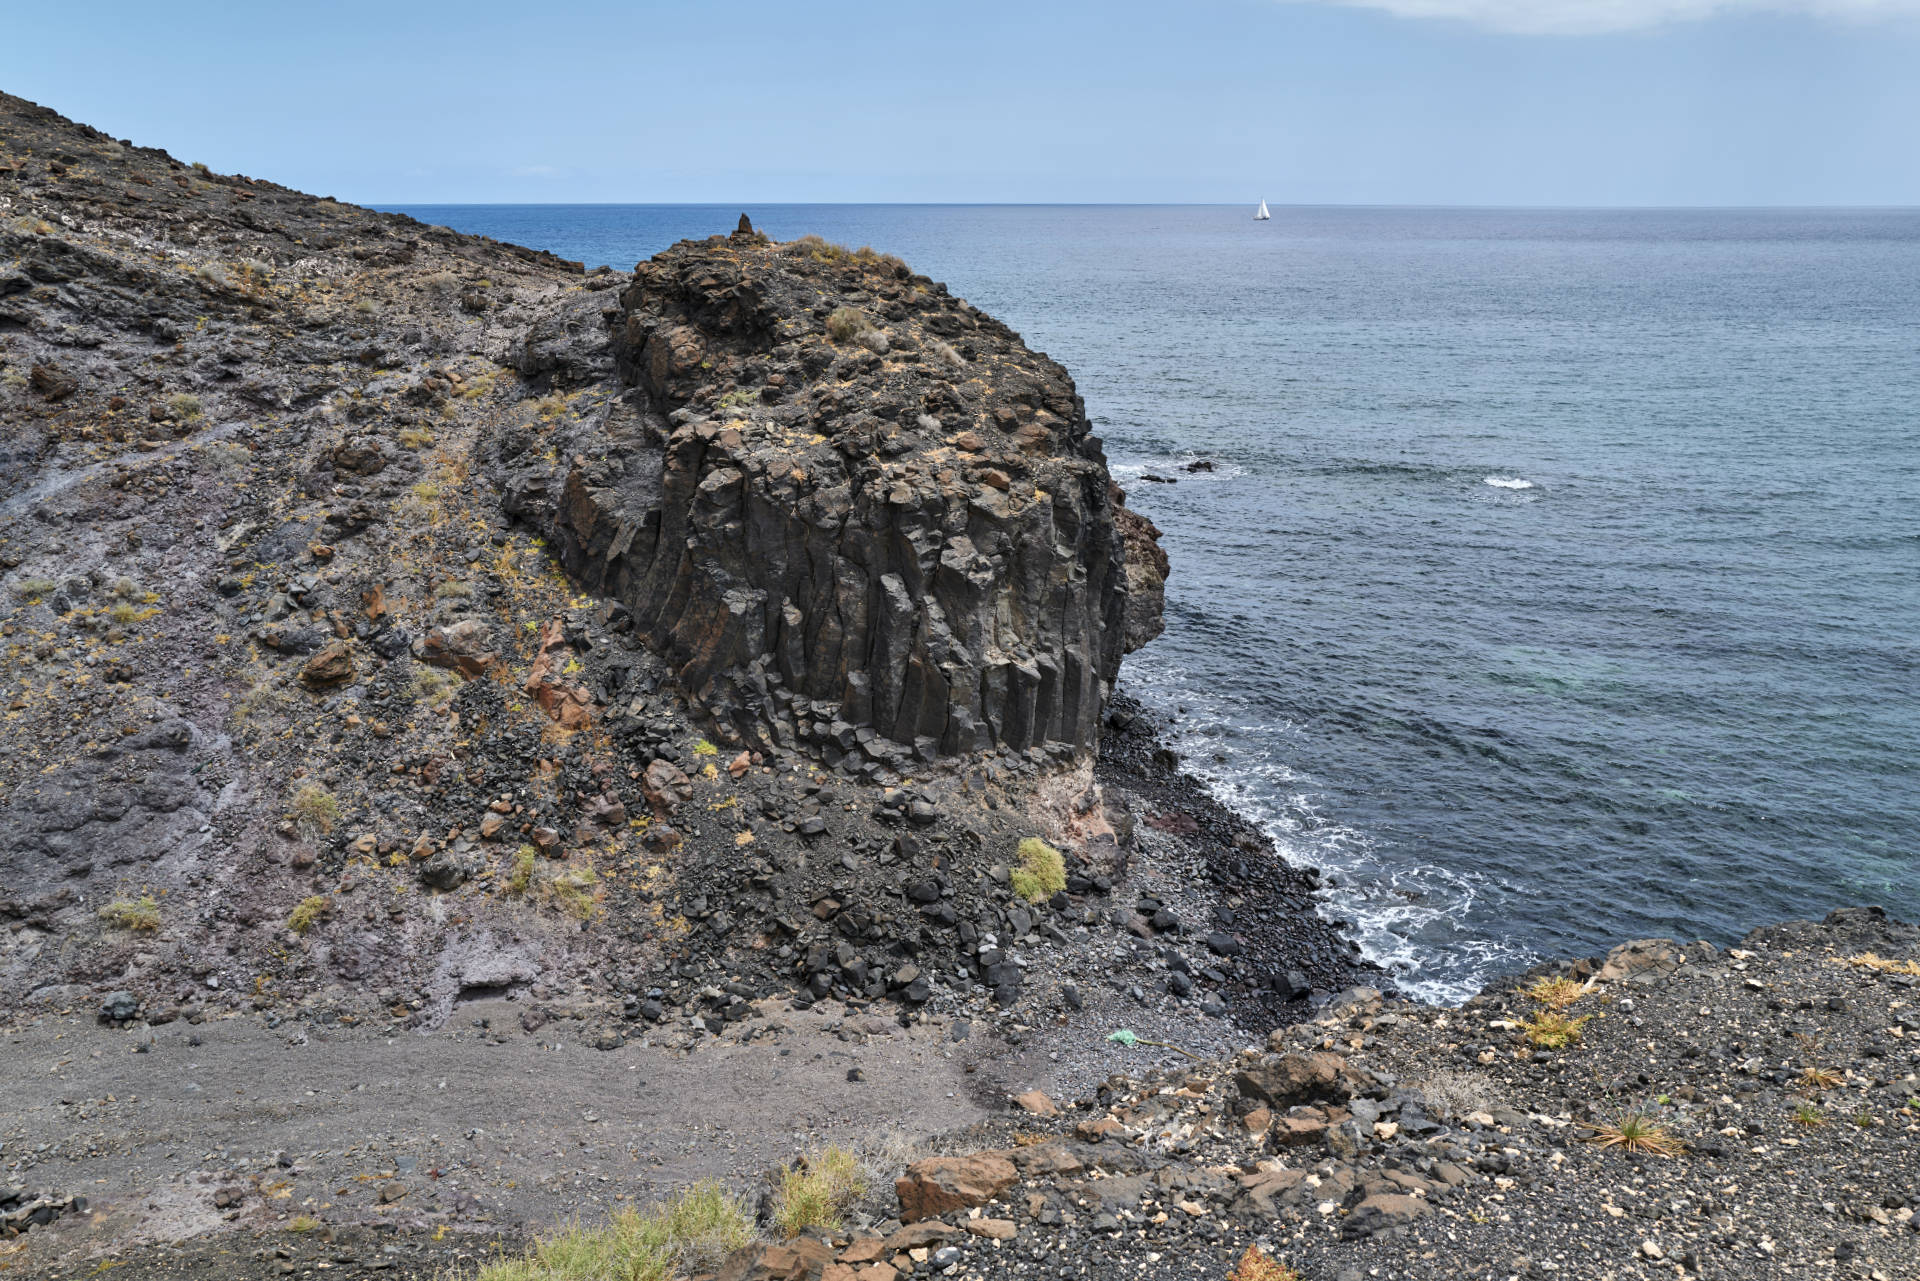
(1546, 577)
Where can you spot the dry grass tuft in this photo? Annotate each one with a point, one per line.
(815, 1192)
(846, 323)
(1819, 1078)
(1257, 1265)
(1638, 1132)
(573, 890)
(1556, 993)
(687, 1235)
(1879, 964)
(141, 915)
(315, 810)
(1457, 1093)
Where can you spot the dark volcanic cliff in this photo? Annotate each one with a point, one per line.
(388, 614)
(851, 511)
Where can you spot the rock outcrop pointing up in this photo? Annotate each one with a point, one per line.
(846, 507)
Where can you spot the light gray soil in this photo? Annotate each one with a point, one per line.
(476, 1128)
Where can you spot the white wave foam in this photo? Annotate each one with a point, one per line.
(1174, 468)
(1507, 482)
(1411, 919)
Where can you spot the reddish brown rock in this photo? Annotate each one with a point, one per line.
(914, 1236)
(801, 1260)
(569, 705)
(665, 787)
(944, 1183)
(333, 665)
(53, 382)
(464, 647)
(865, 1250)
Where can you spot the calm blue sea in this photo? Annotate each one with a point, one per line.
(1558, 577)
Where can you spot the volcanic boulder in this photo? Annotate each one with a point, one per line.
(839, 500)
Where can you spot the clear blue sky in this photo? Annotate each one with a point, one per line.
(1300, 101)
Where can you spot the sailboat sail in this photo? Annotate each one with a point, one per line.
(1263, 215)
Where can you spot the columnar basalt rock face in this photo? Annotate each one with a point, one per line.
(847, 507)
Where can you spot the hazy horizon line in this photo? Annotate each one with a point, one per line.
(397, 205)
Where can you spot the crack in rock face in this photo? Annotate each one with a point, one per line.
(853, 513)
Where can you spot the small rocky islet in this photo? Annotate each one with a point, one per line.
(430, 666)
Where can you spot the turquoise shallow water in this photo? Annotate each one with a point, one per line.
(1558, 578)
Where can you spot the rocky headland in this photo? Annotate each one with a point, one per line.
(489, 742)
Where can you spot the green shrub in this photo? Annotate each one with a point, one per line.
(1042, 872)
(688, 1234)
(817, 1191)
(34, 588)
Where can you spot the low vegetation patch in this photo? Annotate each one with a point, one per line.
(817, 1191)
(315, 810)
(1819, 1078)
(1556, 993)
(689, 1234)
(34, 588)
(846, 323)
(1042, 872)
(307, 913)
(1807, 1116)
(1552, 1030)
(141, 915)
(433, 685)
(1879, 964)
(573, 891)
(520, 876)
(1257, 1265)
(1638, 1132)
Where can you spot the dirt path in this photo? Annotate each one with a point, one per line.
(469, 1126)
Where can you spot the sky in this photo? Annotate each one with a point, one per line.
(1463, 102)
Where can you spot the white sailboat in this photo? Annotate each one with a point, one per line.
(1262, 215)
